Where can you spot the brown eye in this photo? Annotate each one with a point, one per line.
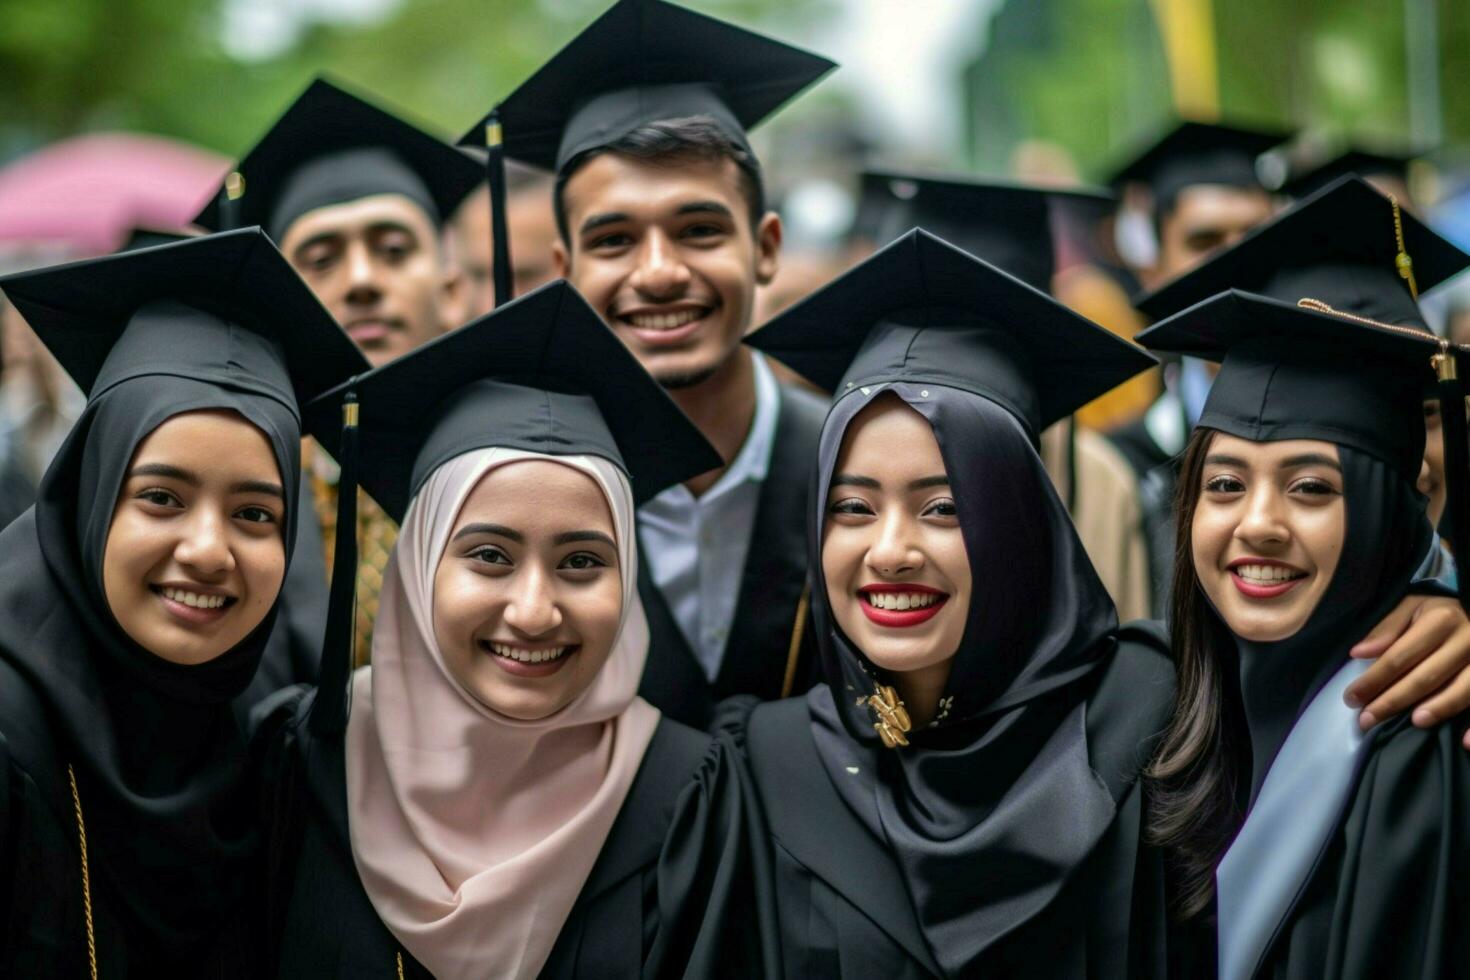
(583, 561)
(1224, 484)
(490, 555)
(850, 505)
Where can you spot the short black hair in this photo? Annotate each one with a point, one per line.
(671, 142)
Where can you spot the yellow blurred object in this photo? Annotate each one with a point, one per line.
(1187, 28)
(1089, 292)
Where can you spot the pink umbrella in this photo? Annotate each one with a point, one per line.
(85, 194)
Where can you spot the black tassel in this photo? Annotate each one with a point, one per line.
(329, 715)
(499, 231)
(1456, 461)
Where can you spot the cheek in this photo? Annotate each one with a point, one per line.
(1322, 534)
(461, 603)
(262, 562)
(133, 547)
(599, 611)
(1209, 534)
(842, 553)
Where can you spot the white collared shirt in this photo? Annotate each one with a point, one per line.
(696, 546)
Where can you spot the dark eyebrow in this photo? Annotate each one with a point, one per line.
(1311, 459)
(569, 537)
(853, 480)
(500, 530)
(705, 207)
(259, 486)
(597, 221)
(925, 482)
(166, 471)
(1219, 459)
(317, 239)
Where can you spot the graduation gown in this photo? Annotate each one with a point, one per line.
(629, 920)
(843, 907)
(1389, 895)
(757, 653)
(43, 926)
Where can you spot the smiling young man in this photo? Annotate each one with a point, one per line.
(356, 198)
(664, 229)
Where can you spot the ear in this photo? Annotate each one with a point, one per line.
(561, 259)
(767, 248)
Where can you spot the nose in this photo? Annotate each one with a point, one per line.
(205, 547)
(661, 273)
(1425, 483)
(893, 552)
(1262, 523)
(362, 284)
(533, 610)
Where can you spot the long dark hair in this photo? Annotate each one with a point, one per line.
(1193, 809)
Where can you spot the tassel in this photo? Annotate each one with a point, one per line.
(499, 231)
(329, 715)
(1456, 459)
(229, 206)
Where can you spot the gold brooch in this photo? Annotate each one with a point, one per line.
(893, 718)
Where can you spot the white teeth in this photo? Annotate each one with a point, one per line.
(900, 601)
(665, 321)
(194, 599)
(1267, 574)
(526, 656)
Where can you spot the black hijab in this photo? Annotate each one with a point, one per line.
(157, 753)
(1385, 539)
(990, 808)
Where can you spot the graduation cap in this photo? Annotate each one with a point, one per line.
(1357, 161)
(541, 373)
(1294, 372)
(226, 309)
(1347, 246)
(1196, 153)
(142, 237)
(1007, 224)
(330, 147)
(923, 310)
(642, 61)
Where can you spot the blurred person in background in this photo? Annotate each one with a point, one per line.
(532, 223)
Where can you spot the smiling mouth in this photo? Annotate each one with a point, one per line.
(522, 661)
(1258, 580)
(524, 655)
(901, 607)
(207, 601)
(369, 331)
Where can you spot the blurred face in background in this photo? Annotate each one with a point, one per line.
(1205, 218)
(378, 267)
(532, 228)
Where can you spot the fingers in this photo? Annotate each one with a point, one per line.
(1427, 677)
(1438, 623)
(1390, 629)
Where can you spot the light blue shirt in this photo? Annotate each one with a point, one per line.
(696, 547)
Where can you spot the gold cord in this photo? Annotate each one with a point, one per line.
(797, 631)
(1402, 261)
(1317, 306)
(399, 957)
(76, 799)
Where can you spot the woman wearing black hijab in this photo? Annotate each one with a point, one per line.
(961, 797)
(1301, 846)
(136, 597)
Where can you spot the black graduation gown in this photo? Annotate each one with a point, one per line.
(757, 650)
(1390, 894)
(842, 904)
(322, 923)
(43, 930)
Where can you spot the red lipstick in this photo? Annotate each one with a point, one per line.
(900, 617)
(1257, 590)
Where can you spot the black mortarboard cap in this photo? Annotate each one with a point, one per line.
(225, 308)
(1289, 372)
(644, 61)
(923, 310)
(1357, 161)
(1005, 223)
(142, 237)
(1347, 246)
(330, 147)
(1194, 153)
(541, 373)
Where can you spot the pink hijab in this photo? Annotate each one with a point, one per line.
(474, 833)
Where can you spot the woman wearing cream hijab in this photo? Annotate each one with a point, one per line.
(501, 802)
